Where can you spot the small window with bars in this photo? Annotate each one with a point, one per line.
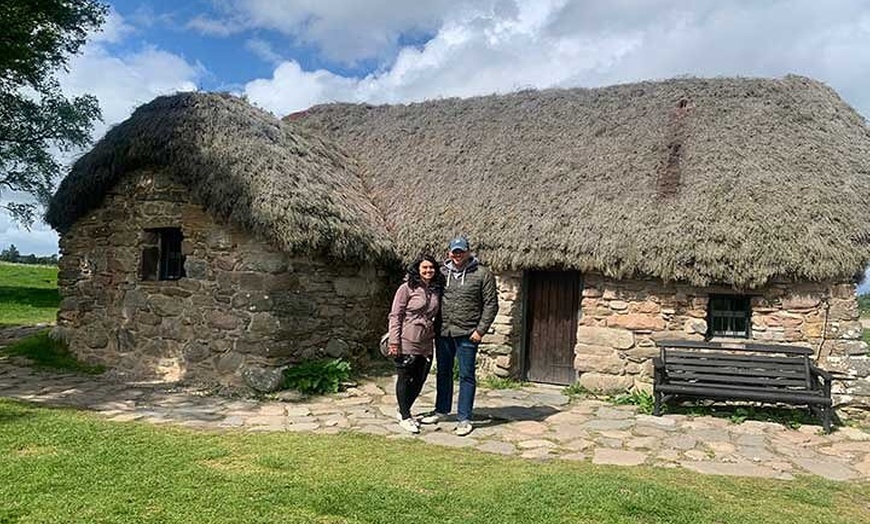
(729, 316)
(162, 258)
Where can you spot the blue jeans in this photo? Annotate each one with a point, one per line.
(446, 350)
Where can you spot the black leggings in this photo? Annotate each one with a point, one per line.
(412, 370)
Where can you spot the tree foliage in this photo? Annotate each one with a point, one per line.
(36, 41)
(864, 304)
(11, 254)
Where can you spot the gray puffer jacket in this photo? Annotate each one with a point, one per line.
(470, 299)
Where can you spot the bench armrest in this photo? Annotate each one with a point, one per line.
(817, 371)
(827, 378)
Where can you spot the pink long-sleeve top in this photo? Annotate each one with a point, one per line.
(412, 320)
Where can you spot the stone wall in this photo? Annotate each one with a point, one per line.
(622, 320)
(242, 304)
(499, 349)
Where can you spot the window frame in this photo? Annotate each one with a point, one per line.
(162, 254)
(739, 309)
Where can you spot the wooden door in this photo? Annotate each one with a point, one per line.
(553, 301)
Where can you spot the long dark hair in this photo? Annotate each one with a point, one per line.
(414, 280)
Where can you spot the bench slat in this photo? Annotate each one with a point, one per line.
(732, 370)
(702, 378)
(731, 346)
(788, 361)
(736, 364)
(761, 394)
(741, 387)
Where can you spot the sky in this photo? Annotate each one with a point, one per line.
(286, 55)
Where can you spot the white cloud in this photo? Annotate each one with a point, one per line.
(113, 30)
(343, 31)
(500, 46)
(263, 49)
(121, 83)
(214, 27)
(308, 88)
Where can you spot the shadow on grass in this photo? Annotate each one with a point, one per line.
(29, 296)
(14, 416)
(11, 411)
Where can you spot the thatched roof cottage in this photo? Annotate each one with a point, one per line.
(203, 237)
(613, 217)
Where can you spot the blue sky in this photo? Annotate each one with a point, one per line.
(285, 56)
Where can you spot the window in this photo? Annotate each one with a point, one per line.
(162, 258)
(728, 316)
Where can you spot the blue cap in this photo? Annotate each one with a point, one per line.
(459, 244)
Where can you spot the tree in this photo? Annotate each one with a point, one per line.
(10, 254)
(36, 41)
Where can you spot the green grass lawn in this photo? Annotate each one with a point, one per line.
(67, 466)
(28, 294)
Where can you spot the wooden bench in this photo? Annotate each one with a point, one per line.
(753, 372)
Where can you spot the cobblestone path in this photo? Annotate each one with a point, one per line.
(535, 422)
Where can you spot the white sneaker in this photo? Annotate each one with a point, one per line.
(433, 417)
(399, 418)
(409, 425)
(463, 428)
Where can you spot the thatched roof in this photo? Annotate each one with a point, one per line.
(734, 181)
(243, 165)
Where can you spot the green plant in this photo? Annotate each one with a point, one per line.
(575, 391)
(45, 352)
(493, 382)
(643, 399)
(739, 415)
(315, 377)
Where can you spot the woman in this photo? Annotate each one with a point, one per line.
(412, 333)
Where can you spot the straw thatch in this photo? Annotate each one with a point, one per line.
(244, 166)
(734, 181)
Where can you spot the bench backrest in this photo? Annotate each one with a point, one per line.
(737, 365)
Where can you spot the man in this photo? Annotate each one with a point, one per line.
(468, 308)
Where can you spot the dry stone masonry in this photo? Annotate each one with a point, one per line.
(499, 348)
(243, 307)
(621, 321)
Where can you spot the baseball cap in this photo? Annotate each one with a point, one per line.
(459, 244)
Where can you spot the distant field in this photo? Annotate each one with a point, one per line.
(28, 294)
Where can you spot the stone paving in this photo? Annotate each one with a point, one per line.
(535, 422)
